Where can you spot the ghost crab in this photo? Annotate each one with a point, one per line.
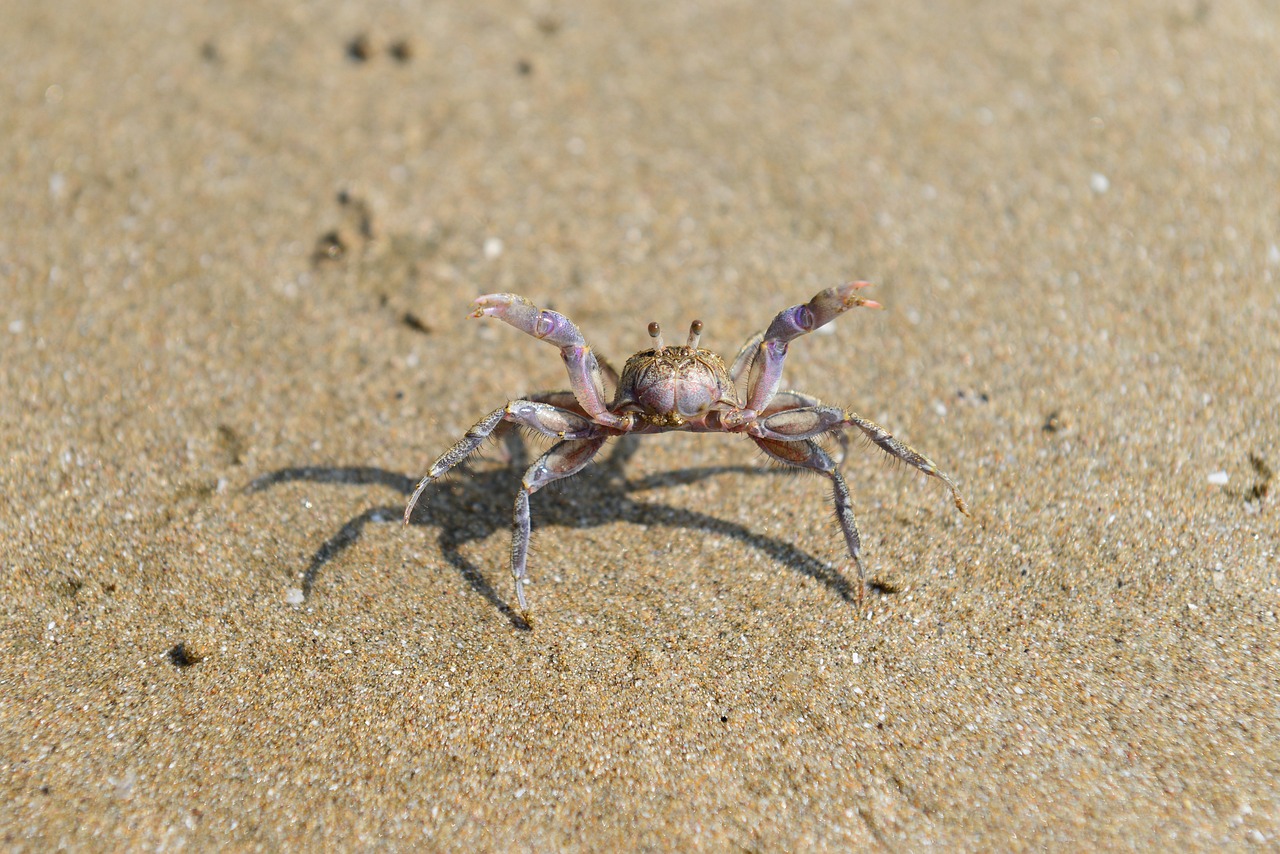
(676, 388)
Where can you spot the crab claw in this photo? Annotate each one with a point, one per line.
(852, 300)
(550, 326)
(559, 331)
(819, 311)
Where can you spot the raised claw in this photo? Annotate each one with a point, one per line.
(771, 346)
(585, 376)
(549, 326)
(825, 307)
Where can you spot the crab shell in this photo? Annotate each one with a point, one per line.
(673, 386)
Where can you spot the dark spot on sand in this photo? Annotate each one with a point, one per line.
(360, 48)
(412, 321)
(1262, 485)
(330, 247)
(71, 586)
(183, 656)
(524, 67)
(401, 50)
(1053, 422)
(884, 588)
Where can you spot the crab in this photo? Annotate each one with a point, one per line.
(668, 388)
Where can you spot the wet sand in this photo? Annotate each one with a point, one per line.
(237, 251)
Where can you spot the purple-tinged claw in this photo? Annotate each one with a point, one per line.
(765, 372)
(819, 311)
(831, 303)
(512, 308)
(558, 330)
(549, 326)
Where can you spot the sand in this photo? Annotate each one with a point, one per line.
(237, 250)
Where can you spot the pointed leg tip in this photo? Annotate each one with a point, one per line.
(860, 586)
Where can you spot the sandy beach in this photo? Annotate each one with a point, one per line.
(237, 250)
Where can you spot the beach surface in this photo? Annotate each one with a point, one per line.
(238, 243)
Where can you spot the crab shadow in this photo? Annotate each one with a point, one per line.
(474, 507)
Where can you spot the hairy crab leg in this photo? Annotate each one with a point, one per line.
(609, 372)
(746, 355)
(564, 459)
(783, 401)
(560, 400)
(546, 419)
(808, 455)
(788, 325)
(585, 374)
(807, 422)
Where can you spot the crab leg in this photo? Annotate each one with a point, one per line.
(807, 422)
(546, 419)
(808, 455)
(564, 459)
(783, 401)
(746, 355)
(788, 325)
(585, 375)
